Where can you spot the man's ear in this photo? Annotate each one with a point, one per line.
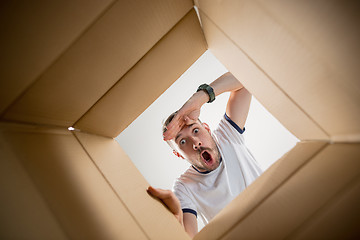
(178, 154)
(206, 127)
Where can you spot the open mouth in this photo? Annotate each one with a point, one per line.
(205, 155)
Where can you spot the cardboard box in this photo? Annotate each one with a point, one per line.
(97, 66)
(298, 59)
(55, 186)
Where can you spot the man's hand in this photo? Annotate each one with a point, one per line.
(170, 201)
(186, 115)
(187, 220)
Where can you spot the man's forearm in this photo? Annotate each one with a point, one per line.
(225, 83)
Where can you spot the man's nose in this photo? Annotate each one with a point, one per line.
(196, 144)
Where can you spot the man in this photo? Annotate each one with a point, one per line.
(221, 165)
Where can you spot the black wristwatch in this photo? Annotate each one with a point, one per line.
(209, 90)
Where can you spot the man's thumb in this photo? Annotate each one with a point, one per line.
(156, 192)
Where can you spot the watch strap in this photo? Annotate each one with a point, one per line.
(209, 90)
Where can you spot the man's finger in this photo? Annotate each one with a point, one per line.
(171, 134)
(188, 120)
(167, 197)
(173, 130)
(174, 121)
(159, 193)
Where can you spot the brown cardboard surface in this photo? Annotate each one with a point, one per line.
(76, 192)
(313, 59)
(96, 61)
(34, 35)
(24, 214)
(131, 187)
(337, 219)
(136, 90)
(102, 64)
(324, 61)
(260, 84)
(261, 189)
(318, 182)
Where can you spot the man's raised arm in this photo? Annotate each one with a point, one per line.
(237, 107)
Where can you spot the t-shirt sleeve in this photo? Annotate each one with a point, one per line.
(187, 205)
(229, 131)
(234, 125)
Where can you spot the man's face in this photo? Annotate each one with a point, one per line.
(197, 146)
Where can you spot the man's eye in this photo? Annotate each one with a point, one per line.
(182, 142)
(196, 130)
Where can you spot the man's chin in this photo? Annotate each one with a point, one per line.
(208, 168)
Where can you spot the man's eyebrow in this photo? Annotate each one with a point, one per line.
(177, 136)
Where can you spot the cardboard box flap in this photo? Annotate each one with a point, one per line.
(278, 102)
(131, 186)
(82, 201)
(310, 50)
(33, 37)
(321, 180)
(24, 213)
(96, 61)
(149, 78)
(261, 189)
(337, 219)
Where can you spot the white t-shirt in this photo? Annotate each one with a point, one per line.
(205, 194)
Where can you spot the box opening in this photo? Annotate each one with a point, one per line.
(266, 137)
